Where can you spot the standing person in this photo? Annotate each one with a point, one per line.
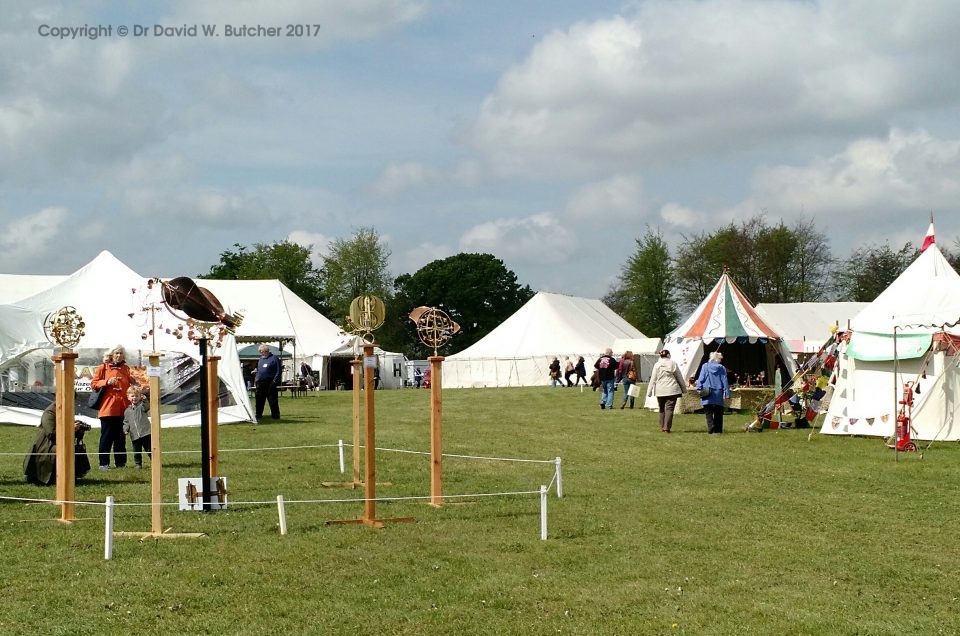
(555, 372)
(713, 375)
(666, 383)
(113, 376)
(581, 369)
(267, 380)
(136, 424)
(568, 370)
(606, 366)
(628, 377)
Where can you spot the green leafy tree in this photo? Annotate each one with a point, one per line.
(870, 270)
(643, 293)
(475, 290)
(354, 267)
(288, 262)
(769, 263)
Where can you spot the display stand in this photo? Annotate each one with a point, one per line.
(369, 516)
(65, 363)
(436, 430)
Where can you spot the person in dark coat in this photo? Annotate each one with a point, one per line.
(40, 464)
(267, 380)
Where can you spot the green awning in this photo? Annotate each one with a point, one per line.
(880, 346)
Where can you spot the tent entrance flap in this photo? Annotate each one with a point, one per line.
(880, 346)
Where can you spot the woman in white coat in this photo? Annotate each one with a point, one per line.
(666, 383)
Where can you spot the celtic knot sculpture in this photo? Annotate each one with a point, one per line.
(434, 326)
(64, 327)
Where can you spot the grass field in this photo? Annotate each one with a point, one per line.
(769, 533)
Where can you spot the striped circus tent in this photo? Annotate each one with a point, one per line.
(726, 321)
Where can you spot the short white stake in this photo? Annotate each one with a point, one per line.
(559, 479)
(340, 446)
(283, 515)
(108, 530)
(543, 513)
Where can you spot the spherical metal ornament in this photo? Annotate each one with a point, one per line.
(367, 313)
(434, 326)
(64, 327)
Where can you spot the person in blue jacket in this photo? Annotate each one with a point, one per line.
(267, 380)
(713, 375)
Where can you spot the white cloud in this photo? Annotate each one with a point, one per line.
(319, 244)
(540, 238)
(679, 79)
(30, 237)
(680, 216)
(619, 197)
(196, 208)
(400, 176)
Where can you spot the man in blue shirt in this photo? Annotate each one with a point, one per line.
(267, 379)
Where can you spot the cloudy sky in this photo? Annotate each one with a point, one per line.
(549, 133)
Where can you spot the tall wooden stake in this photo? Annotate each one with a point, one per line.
(436, 430)
(356, 364)
(370, 439)
(156, 466)
(66, 461)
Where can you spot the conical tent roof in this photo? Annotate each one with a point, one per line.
(724, 314)
(925, 296)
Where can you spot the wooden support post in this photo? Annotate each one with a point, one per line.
(66, 462)
(436, 431)
(213, 406)
(156, 465)
(370, 438)
(357, 366)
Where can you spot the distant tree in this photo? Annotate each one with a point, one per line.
(870, 270)
(643, 293)
(770, 263)
(476, 290)
(288, 262)
(354, 267)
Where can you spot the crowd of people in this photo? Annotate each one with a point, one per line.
(666, 383)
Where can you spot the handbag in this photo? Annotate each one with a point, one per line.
(632, 375)
(705, 391)
(95, 398)
(634, 391)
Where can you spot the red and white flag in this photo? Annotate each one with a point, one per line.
(929, 239)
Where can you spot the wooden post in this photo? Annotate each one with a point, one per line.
(156, 466)
(357, 366)
(213, 405)
(66, 462)
(370, 439)
(436, 430)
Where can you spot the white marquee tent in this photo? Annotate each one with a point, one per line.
(806, 326)
(905, 335)
(103, 294)
(518, 352)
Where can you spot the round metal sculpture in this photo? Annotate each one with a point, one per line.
(64, 327)
(434, 326)
(367, 313)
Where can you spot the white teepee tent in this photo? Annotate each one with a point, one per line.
(908, 334)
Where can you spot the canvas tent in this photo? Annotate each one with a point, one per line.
(908, 334)
(518, 351)
(108, 295)
(726, 321)
(805, 326)
(645, 353)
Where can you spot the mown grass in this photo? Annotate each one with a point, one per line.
(769, 533)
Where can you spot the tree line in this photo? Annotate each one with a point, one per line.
(770, 262)
(655, 289)
(475, 290)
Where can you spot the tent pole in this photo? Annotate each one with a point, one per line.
(896, 374)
